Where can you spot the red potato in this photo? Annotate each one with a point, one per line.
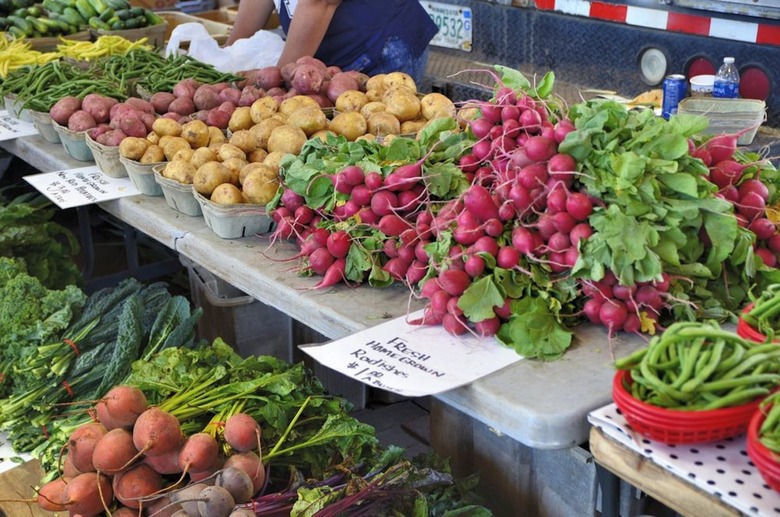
(227, 106)
(242, 432)
(156, 432)
(360, 77)
(111, 138)
(341, 83)
(331, 71)
(312, 61)
(206, 97)
(287, 73)
(249, 95)
(307, 79)
(186, 87)
(81, 445)
(161, 101)
(65, 107)
(88, 494)
(121, 110)
(137, 482)
(266, 78)
(148, 121)
(229, 94)
(81, 121)
(132, 127)
(114, 452)
(182, 106)
(98, 106)
(218, 118)
(95, 132)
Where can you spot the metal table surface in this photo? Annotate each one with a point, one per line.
(541, 405)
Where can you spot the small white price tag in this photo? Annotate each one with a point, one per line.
(11, 127)
(79, 187)
(454, 23)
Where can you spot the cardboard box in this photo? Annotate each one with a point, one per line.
(218, 31)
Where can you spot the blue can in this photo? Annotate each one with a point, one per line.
(675, 88)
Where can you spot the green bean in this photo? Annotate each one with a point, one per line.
(722, 384)
(710, 364)
(688, 362)
(736, 399)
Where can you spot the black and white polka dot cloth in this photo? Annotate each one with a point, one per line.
(720, 468)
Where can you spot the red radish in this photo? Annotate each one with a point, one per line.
(114, 452)
(123, 404)
(703, 155)
(454, 281)
(479, 202)
(439, 301)
(624, 292)
(393, 225)
(406, 253)
(481, 150)
(592, 309)
(390, 247)
(396, 268)
(545, 225)
(404, 177)
(409, 200)
(504, 312)
(333, 275)
(531, 121)
(320, 260)
(509, 113)
(521, 198)
(613, 315)
(506, 95)
(632, 323)
(729, 193)
(562, 128)
(82, 443)
(512, 129)
(754, 185)
(533, 176)
(467, 234)
(85, 494)
(508, 257)
(428, 318)
(774, 243)
(556, 200)
(767, 257)
(373, 181)
(490, 112)
(752, 205)
(340, 184)
(367, 216)
(156, 432)
(361, 195)
(453, 324)
(474, 266)
(663, 284)
(281, 212)
(416, 272)
(540, 148)
(420, 253)
(481, 127)
(384, 202)
(488, 327)
(571, 256)
(468, 163)
(250, 463)
(649, 296)
(564, 222)
(338, 243)
(135, 483)
(303, 214)
(291, 199)
(429, 287)
(353, 175)
(522, 240)
(721, 147)
(486, 245)
(763, 228)
(559, 242)
(51, 496)
(579, 206)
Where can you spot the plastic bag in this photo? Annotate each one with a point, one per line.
(261, 50)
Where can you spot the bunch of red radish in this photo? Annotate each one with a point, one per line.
(749, 196)
(134, 458)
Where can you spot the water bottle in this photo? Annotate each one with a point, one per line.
(727, 80)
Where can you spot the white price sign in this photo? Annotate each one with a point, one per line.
(454, 23)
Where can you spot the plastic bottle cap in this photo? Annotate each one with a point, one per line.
(728, 60)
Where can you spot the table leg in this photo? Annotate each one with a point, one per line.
(85, 233)
(610, 492)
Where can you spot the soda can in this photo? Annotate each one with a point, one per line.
(675, 88)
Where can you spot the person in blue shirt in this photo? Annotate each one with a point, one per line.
(370, 36)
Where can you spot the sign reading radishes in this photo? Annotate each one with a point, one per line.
(413, 360)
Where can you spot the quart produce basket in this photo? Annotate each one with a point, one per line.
(142, 176)
(728, 116)
(678, 426)
(14, 108)
(107, 158)
(178, 195)
(74, 142)
(42, 122)
(233, 221)
(766, 461)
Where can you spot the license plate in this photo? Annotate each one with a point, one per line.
(454, 24)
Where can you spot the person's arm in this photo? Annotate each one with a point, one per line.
(310, 21)
(252, 16)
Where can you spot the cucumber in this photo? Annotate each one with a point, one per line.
(22, 24)
(38, 26)
(72, 17)
(118, 4)
(21, 12)
(135, 23)
(98, 24)
(99, 6)
(53, 6)
(85, 9)
(118, 25)
(16, 32)
(35, 10)
(107, 14)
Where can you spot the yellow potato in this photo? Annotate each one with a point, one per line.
(133, 148)
(196, 132)
(240, 119)
(216, 136)
(180, 171)
(371, 108)
(263, 108)
(234, 165)
(376, 82)
(413, 126)
(383, 123)
(208, 176)
(286, 139)
(226, 151)
(244, 140)
(258, 155)
(309, 119)
(294, 103)
(202, 155)
(322, 134)
(256, 167)
(396, 79)
(227, 194)
(262, 131)
(166, 126)
(351, 100)
(153, 154)
(274, 159)
(350, 125)
(434, 105)
(183, 155)
(173, 144)
(259, 187)
(402, 103)
(153, 138)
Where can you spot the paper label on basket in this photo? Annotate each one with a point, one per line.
(79, 187)
(413, 360)
(11, 127)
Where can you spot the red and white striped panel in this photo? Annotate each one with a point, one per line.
(761, 33)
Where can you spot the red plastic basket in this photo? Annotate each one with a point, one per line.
(766, 461)
(746, 331)
(672, 426)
